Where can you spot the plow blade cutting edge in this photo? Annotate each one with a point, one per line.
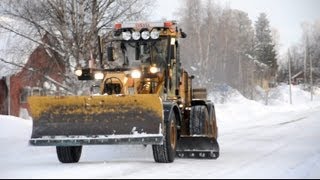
(83, 120)
(198, 147)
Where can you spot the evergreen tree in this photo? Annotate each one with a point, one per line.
(264, 47)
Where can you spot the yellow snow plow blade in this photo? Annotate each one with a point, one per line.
(79, 120)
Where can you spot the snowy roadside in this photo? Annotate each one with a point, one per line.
(240, 112)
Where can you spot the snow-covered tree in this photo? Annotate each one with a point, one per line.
(191, 21)
(219, 46)
(305, 52)
(311, 51)
(265, 51)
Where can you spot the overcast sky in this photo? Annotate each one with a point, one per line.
(284, 15)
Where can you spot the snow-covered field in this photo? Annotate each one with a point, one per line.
(256, 141)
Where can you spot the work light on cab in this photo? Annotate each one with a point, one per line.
(126, 35)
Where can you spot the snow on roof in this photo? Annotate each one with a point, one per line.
(13, 48)
(298, 74)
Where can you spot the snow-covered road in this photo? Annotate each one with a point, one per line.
(280, 147)
(256, 141)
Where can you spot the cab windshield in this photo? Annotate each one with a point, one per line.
(135, 54)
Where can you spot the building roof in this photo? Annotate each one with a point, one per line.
(298, 74)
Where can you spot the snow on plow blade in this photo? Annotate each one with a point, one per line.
(198, 147)
(82, 120)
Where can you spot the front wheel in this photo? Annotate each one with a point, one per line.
(69, 154)
(166, 153)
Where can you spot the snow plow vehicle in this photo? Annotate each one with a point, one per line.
(145, 98)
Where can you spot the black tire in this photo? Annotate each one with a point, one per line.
(199, 120)
(69, 154)
(166, 153)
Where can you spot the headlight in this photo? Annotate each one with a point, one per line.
(136, 74)
(136, 35)
(126, 35)
(155, 34)
(145, 35)
(78, 72)
(98, 76)
(154, 70)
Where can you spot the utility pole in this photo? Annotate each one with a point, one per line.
(290, 82)
(311, 79)
(305, 63)
(240, 78)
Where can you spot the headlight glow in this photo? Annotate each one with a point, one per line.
(98, 76)
(154, 70)
(78, 72)
(145, 35)
(155, 34)
(126, 35)
(136, 74)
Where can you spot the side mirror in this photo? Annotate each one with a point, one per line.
(183, 34)
(110, 54)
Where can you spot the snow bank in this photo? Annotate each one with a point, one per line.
(14, 127)
(234, 111)
(316, 91)
(281, 95)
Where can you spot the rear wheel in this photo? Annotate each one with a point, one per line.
(69, 154)
(199, 120)
(166, 153)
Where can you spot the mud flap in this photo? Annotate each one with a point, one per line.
(198, 147)
(77, 120)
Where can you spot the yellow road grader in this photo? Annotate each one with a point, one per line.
(145, 97)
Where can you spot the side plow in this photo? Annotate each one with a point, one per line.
(198, 147)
